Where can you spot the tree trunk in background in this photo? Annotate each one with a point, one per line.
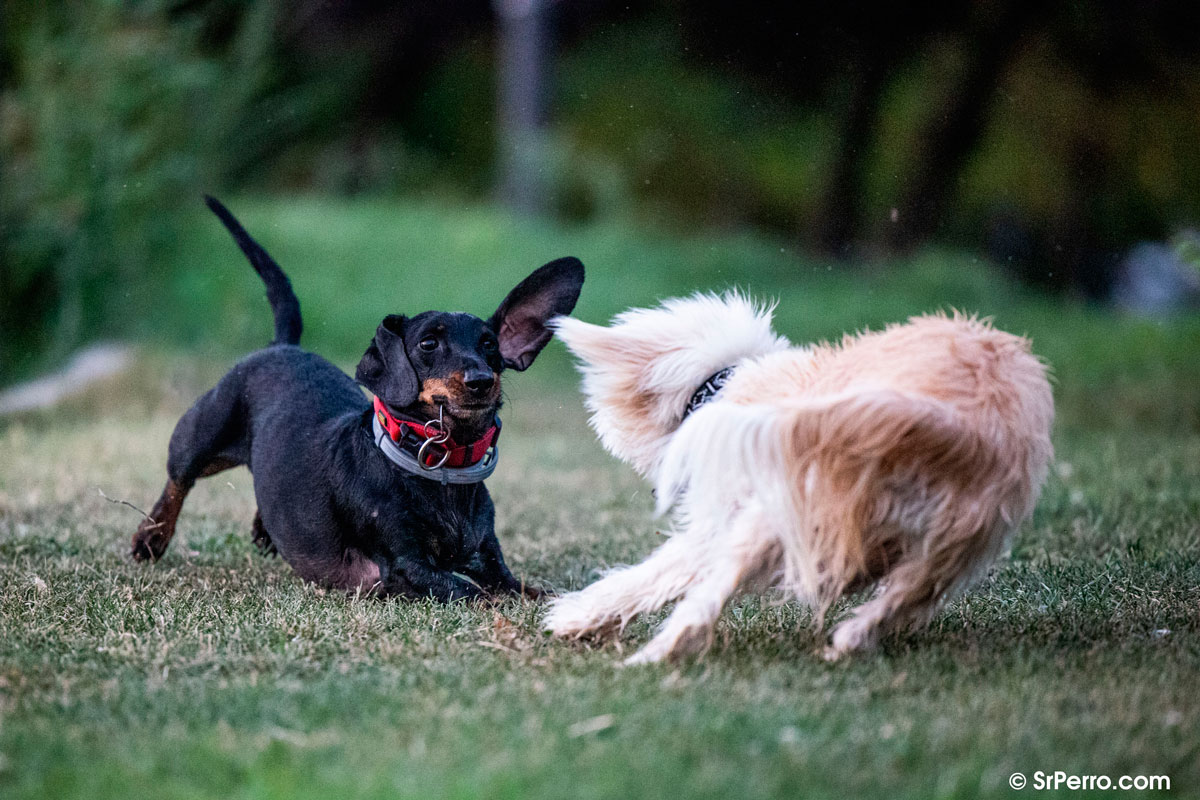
(954, 132)
(844, 205)
(521, 104)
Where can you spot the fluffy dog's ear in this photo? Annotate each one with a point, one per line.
(385, 369)
(520, 321)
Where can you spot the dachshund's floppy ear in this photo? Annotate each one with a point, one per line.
(520, 321)
(385, 369)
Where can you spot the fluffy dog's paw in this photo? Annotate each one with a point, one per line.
(673, 646)
(572, 617)
(647, 655)
(852, 636)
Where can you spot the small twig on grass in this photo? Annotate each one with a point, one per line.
(155, 523)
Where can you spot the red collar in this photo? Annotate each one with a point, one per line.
(412, 432)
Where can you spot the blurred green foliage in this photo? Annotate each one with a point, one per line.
(689, 144)
(1128, 153)
(115, 116)
(725, 149)
(103, 121)
(1078, 165)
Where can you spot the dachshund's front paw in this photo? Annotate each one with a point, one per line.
(150, 541)
(535, 593)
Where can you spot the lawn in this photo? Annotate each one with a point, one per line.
(217, 673)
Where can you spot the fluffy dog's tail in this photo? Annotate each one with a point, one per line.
(284, 304)
(834, 472)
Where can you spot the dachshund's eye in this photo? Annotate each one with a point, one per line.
(488, 345)
(428, 344)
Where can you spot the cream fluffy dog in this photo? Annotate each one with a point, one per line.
(902, 459)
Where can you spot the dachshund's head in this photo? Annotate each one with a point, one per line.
(450, 363)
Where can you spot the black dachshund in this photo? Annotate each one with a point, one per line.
(386, 499)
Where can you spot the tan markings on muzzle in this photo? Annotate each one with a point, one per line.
(455, 390)
(432, 387)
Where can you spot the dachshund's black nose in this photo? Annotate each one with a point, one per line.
(481, 385)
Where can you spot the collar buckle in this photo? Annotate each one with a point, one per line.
(440, 434)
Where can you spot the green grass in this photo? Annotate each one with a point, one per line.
(216, 673)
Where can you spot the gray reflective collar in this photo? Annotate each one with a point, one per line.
(475, 473)
(708, 390)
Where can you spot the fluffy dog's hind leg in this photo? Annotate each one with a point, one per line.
(624, 593)
(904, 600)
(748, 554)
(913, 591)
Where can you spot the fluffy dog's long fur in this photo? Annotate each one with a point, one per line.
(903, 459)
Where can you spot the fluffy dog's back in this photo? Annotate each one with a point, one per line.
(926, 442)
(903, 458)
